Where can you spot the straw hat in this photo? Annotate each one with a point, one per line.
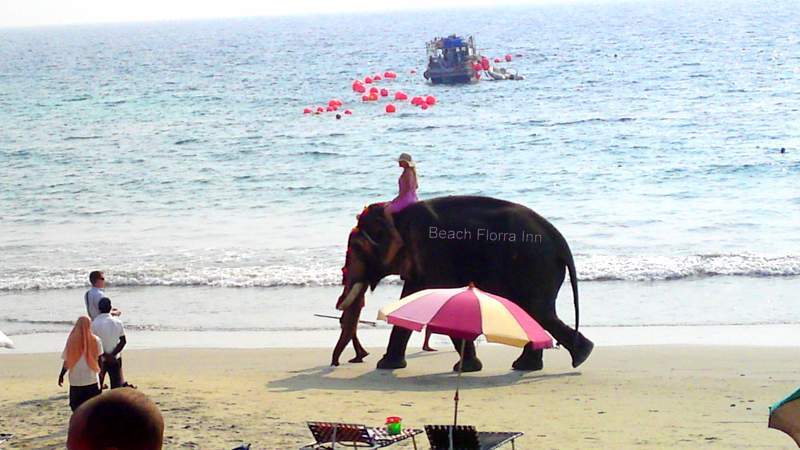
(407, 158)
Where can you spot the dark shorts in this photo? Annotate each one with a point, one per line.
(79, 394)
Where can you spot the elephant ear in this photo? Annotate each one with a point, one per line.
(374, 227)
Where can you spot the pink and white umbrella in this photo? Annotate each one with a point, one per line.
(467, 313)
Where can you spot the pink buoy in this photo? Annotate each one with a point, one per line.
(368, 80)
(416, 101)
(430, 100)
(376, 77)
(389, 74)
(357, 85)
(384, 92)
(400, 95)
(307, 111)
(497, 60)
(390, 108)
(413, 71)
(330, 109)
(485, 63)
(373, 90)
(348, 112)
(365, 98)
(509, 57)
(373, 97)
(424, 106)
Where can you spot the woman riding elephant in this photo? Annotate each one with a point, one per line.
(408, 185)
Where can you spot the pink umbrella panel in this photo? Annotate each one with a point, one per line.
(467, 313)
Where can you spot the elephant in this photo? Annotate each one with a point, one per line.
(502, 247)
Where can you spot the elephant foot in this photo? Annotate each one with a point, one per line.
(470, 365)
(386, 363)
(529, 361)
(581, 350)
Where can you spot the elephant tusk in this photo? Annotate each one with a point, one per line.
(356, 291)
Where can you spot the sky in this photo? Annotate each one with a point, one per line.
(23, 13)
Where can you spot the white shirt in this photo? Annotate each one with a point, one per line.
(109, 329)
(92, 298)
(81, 374)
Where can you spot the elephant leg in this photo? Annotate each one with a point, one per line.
(578, 345)
(395, 356)
(530, 359)
(470, 361)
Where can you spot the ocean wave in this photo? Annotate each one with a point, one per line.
(593, 120)
(82, 138)
(186, 141)
(78, 98)
(654, 268)
(319, 153)
(311, 273)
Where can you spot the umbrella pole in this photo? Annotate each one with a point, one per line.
(458, 386)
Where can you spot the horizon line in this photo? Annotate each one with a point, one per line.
(512, 4)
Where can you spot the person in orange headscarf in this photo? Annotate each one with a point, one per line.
(81, 359)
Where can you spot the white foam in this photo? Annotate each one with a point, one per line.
(324, 270)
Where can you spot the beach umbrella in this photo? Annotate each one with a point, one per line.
(466, 313)
(785, 416)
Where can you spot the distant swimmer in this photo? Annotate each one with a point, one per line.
(783, 150)
(338, 116)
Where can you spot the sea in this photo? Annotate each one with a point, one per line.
(662, 138)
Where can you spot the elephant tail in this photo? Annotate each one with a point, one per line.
(573, 280)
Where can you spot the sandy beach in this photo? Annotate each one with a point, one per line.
(623, 397)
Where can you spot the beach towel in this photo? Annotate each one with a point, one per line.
(5, 341)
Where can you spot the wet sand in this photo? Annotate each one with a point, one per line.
(623, 397)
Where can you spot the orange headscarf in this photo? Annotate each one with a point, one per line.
(81, 342)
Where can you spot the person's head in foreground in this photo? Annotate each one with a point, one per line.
(119, 419)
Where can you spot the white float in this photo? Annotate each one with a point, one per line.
(5, 341)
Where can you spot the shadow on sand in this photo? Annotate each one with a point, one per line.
(323, 377)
